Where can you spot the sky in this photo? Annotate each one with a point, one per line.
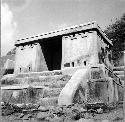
(25, 18)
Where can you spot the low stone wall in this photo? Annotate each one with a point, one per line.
(24, 95)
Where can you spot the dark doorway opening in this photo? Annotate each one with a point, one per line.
(52, 51)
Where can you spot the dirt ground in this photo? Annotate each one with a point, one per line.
(115, 115)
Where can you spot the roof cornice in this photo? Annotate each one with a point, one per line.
(68, 30)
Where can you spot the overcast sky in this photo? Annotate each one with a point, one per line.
(25, 18)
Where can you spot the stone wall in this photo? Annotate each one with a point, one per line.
(29, 58)
(79, 49)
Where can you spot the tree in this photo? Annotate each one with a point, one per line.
(116, 33)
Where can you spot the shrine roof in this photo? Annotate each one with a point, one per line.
(64, 31)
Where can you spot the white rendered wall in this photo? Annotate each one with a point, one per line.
(82, 46)
(30, 56)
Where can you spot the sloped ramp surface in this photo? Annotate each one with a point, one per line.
(78, 80)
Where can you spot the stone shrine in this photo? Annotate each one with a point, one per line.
(64, 67)
(71, 47)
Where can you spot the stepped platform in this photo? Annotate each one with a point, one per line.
(120, 72)
(42, 88)
(36, 87)
(120, 68)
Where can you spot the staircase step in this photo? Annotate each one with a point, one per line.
(120, 68)
(21, 94)
(54, 78)
(51, 92)
(35, 87)
(57, 84)
(39, 79)
(119, 72)
(26, 94)
(122, 77)
(54, 81)
(20, 87)
(44, 73)
(53, 101)
(45, 80)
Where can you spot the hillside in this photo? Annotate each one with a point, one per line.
(10, 55)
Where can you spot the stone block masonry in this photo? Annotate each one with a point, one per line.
(29, 58)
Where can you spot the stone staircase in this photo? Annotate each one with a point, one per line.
(41, 88)
(120, 72)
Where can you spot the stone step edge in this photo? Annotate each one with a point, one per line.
(48, 102)
(119, 72)
(14, 78)
(120, 68)
(20, 87)
(43, 73)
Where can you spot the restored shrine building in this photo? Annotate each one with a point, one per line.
(81, 56)
(75, 46)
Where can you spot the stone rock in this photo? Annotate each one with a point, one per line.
(11, 118)
(21, 115)
(75, 115)
(85, 120)
(42, 115)
(31, 106)
(43, 109)
(72, 113)
(100, 110)
(56, 119)
(20, 105)
(27, 117)
(82, 110)
(7, 112)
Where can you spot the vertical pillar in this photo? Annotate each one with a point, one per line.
(62, 63)
(38, 60)
(95, 40)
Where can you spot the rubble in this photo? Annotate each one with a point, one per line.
(76, 112)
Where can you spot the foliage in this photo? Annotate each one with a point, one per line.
(11, 52)
(116, 33)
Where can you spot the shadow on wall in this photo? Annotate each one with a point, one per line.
(8, 71)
